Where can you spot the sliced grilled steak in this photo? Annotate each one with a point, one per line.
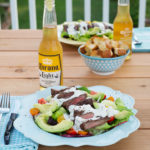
(65, 95)
(65, 26)
(95, 25)
(87, 115)
(93, 123)
(77, 27)
(86, 102)
(78, 113)
(107, 26)
(54, 92)
(74, 101)
(89, 26)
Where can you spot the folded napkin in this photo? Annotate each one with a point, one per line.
(17, 141)
(143, 34)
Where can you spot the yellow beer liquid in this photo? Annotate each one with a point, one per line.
(50, 56)
(123, 26)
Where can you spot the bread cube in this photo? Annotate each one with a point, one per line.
(106, 54)
(120, 51)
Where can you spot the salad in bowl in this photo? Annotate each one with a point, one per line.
(79, 112)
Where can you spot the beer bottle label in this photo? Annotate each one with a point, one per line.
(50, 70)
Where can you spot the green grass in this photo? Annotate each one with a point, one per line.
(78, 11)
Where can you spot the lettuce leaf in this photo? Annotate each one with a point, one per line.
(64, 34)
(83, 88)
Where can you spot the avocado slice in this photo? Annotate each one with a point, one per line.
(96, 105)
(123, 114)
(97, 97)
(104, 126)
(119, 102)
(58, 113)
(47, 107)
(93, 31)
(121, 106)
(61, 127)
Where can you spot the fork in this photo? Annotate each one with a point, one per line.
(4, 104)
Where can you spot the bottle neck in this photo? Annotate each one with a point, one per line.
(123, 7)
(125, 2)
(49, 20)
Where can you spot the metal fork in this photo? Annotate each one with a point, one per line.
(4, 104)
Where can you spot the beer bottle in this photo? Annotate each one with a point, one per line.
(123, 25)
(50, 50)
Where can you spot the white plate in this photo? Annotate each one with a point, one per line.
(25, 123)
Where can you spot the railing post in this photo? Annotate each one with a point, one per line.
(106, 10)
(0, 23)
(87, 10)
(14, 14)
(142, 11)
(32, 14)
(68, 10)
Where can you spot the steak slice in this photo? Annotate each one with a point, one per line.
(93, 123)
(65, 95)
(55, 92)
(86, 102)
(78, 113)
(87, 115)
(74, 101)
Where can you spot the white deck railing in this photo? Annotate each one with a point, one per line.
(69, 14)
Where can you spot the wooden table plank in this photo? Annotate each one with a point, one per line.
(71, 58)
(76, 72)
(136, 141)
(20, 34)
(137, 87)
(19, 44)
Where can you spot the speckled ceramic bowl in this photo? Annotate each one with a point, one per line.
(103, 66)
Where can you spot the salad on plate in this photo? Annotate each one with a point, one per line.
(79, 112)
(82, 31)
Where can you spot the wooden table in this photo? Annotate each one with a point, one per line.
(19, 75)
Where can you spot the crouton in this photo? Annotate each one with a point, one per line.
(91, 46)
(119, 51)
(115, 44)
(97, 40)
(123, 45)
(82, 49)
(95, 53)
(104, 47)
(106, 54)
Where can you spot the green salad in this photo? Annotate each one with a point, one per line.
(83, 30)
(79, 112)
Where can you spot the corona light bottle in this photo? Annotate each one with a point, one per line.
(123, 25)
(50, 50)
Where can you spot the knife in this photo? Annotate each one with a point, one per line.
(12, 118)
